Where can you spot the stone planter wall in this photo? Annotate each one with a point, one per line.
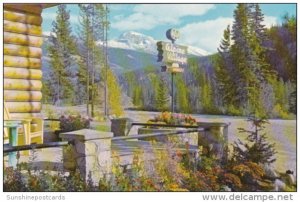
(191, 138)
(90, 153)
(214, 139)
(91, 150)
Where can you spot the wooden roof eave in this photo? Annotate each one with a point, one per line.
(33, 8)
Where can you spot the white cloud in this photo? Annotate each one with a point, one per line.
(269, 21)
(206, 35)
(148, 16)
(174, 10)
(135, 21)
(118, 17)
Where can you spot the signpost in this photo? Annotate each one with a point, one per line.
(172, 56)
(171, 53)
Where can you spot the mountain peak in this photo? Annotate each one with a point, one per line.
(137, 41)
(140, 42)
(131, 34)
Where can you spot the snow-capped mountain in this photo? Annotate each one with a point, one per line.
(197, 51)
(131, 51)
(139, 42)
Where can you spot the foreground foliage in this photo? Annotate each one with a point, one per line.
(171, 169)
(257, 148)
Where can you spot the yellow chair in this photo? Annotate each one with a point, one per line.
(31, 131)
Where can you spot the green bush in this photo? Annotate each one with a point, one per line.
(74, 122)
(279, 112)
(41, 181)
(234, 111)
(257, 148)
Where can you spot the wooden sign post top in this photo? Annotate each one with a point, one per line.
(171, 54)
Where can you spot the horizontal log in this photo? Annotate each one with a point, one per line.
(21, 96)
(24, 107)
(23, 51)
(22, 73)
(27, 8)
(24, 62)
(17, 27)
(24, 115)
(22, 39)
(22, 84)
(25, 18)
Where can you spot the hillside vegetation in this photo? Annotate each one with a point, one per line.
(253, 71)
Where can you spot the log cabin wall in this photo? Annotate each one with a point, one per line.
(22, 60)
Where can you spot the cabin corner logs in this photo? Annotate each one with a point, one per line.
(22, 60)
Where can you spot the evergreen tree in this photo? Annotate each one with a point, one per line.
(256, 23)
(47, 91)
(254, 71)
(162, 95)
(85, 36)
(259, 40)
(224, 71)
(61, 48)
(240, 53)
(290, 23)
(93, 24)
(137, 96)
(206, 93)
(192, 75)
(293, 102)
(247, 56)
(182, 95)
(257, 149)
(225, 43)
(268, 99)
(283, 48)
(81, 93)
(151, 91)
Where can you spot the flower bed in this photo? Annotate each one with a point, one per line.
(73, 122)
(173, 119)
(169, 118)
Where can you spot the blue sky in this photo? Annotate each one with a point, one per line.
(201, 25)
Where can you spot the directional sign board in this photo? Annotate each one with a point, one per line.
(171, 53)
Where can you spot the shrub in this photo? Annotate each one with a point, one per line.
(279, 112)
(257, 149)
(234, 111)
(37, 181)
(73, 122)
(51, 114)
(173, 119)
(171, 171)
